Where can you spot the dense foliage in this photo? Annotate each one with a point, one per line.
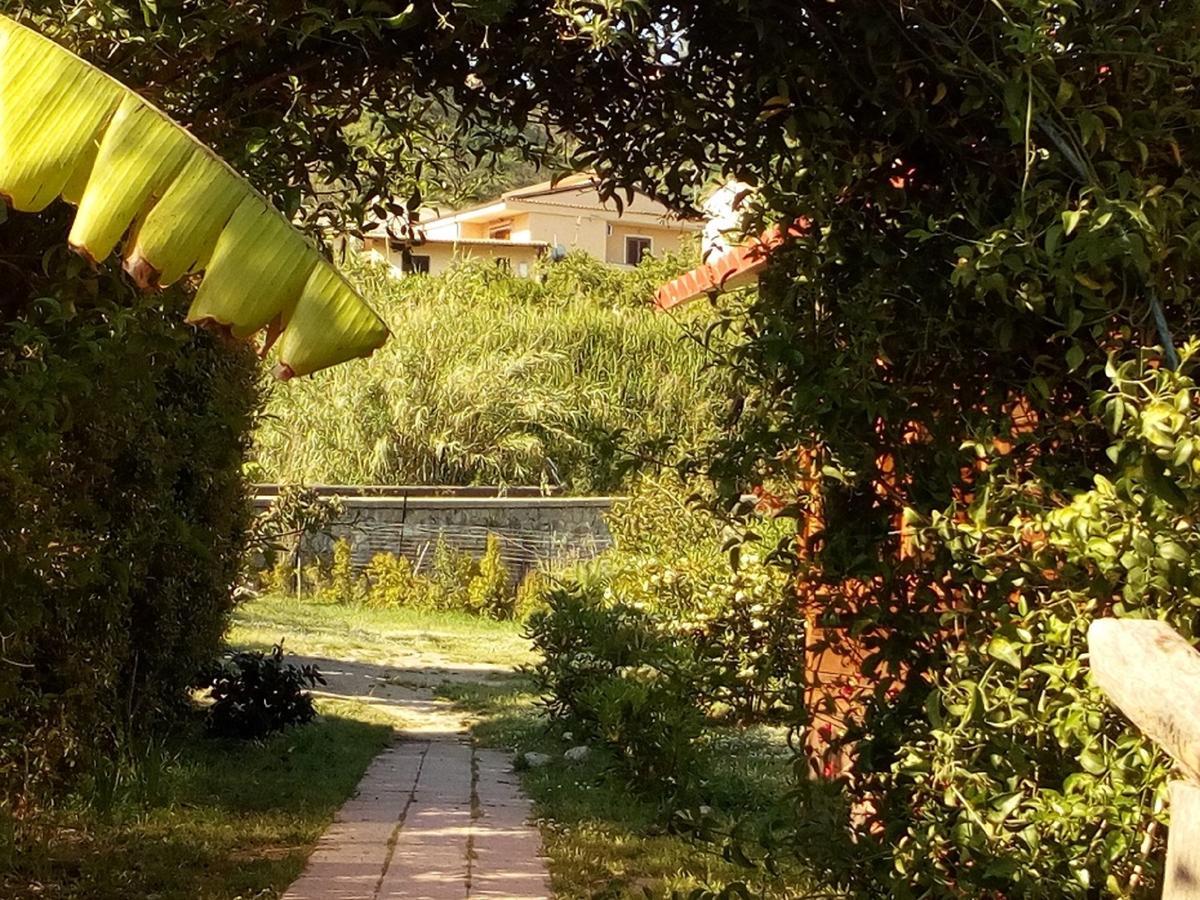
(122, 506)
(450, 579)
(1001, 196)
(256, 694)
(658, 638)
(567, 378)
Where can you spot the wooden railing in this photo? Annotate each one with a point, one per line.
(1152, 674)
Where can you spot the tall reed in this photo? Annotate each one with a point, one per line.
(567, 378)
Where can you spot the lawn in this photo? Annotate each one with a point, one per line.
(198, 817)
(203, 819)
(603, 838)
(383, 636)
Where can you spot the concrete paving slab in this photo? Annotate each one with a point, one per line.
(433, 818)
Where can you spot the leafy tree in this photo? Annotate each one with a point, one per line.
(999, 196)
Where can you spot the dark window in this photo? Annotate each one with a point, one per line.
(418, 265)
(636, 248)
(504, 263)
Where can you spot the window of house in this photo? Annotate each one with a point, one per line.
(418, 265)
(636, 248)
(504, 263)
(501, 232)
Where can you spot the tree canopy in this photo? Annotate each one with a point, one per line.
(1003, 198)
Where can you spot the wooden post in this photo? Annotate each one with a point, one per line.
(1183, 843)
(1153, 676)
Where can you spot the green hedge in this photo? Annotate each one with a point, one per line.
(122, 504)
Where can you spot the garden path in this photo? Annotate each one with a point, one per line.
(434, 817)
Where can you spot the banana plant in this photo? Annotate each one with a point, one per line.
(69, 130)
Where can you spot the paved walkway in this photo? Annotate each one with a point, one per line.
(433, 818)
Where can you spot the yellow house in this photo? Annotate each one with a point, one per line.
(523, 224)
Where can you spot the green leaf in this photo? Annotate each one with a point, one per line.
(1172, 551)
(933, 710)
(67, 129)
(1004, 650)
(1053, 235)
(401, 19)
(1092, 761)
(1074, 357)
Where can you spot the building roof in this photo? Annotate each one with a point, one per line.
(486, 242)
(736, 267)
(571, 182)
(548, 193)
(555, 195)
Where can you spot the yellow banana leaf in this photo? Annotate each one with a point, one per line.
(68, 130)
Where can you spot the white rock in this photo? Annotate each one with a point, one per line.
(577, 754)
(537, 760)
(568, 736)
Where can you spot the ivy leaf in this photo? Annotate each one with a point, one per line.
(1172, 551)
(400, 19)
(1092, 761)
(1006, 651)
(1074, 357)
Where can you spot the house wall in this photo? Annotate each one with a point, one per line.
(575, 219)
(665, 240)
(444, 231)
(522, 228)
(574, 229)
(442, 256)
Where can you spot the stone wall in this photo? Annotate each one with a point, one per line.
(534, 530)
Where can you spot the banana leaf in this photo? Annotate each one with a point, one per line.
(69, 130)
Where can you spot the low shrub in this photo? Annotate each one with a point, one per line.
(451, 575)
(344, 584)
(531, 594)
(645, 645)
(391, 582)
(283, 553)
(672, 559)
(490, 592)
(256, 694)
(455, 581)
(608, 674)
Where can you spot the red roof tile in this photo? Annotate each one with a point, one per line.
(735, 267)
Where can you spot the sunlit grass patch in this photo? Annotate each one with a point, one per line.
(604, 839)
(385, 636)
(206, 818)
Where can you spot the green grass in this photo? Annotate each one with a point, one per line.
(207, 819)
(605, 840)
(384, 636)
(231, 821)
